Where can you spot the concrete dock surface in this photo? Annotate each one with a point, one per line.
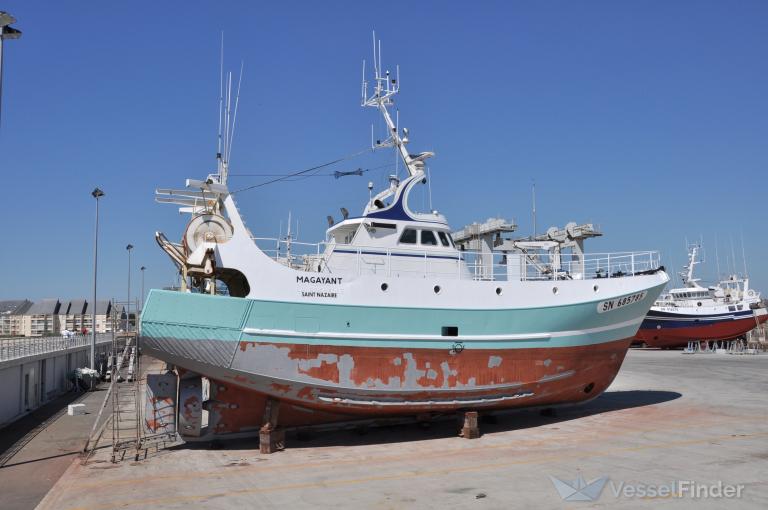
(668, 417)
(37, 449)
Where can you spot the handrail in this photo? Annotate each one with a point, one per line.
(20, 347)
(463, 264)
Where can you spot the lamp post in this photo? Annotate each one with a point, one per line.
(142, 287)
(96, 193)
(6, 32)
(128, 325)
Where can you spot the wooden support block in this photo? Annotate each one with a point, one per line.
(271, 439)
(470, 430)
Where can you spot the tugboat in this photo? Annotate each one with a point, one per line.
(695, 313)
(386, 318)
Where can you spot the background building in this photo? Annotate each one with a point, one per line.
(103, 319)
(71, 315)
(21, 317)
(11, 313)
(41, 318)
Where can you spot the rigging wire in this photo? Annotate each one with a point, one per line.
(327, 174)
(300, 174)
(234, 120)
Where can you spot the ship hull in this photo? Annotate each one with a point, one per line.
(671, 330)
(505, 379)
(243, 347)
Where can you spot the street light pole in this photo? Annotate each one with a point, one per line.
(128, 325)
(96, 193)
(142, 288)
(6, 32)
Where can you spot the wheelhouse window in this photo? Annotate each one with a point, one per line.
(428, 238)
(408, 236)
(443, 238)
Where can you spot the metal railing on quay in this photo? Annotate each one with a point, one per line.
(20, 347)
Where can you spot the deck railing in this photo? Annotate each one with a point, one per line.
(20, 347)
(464, 264)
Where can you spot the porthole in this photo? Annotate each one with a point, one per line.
(595, 288)
(384, 287)
(436, 289)
(698, 304)
(498, 291)
(555, 290)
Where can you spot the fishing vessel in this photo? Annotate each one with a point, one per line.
(385, 317)
(724, 311)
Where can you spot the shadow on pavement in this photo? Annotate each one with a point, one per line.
(448, 425)
(16, 435)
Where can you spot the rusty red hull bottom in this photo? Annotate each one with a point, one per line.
(514, 378)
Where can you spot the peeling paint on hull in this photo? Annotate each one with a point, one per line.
(322, 384)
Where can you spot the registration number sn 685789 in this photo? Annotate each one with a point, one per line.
(615, 303)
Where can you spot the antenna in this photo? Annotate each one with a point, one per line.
(226, 118)
(363, 85)
(279, 237)
(533, 195)
(288, 240)
(733, 257)
(375, 61)
(717, 259)
(385, 87)
(221, 101)
(429, 187)
(743, 256)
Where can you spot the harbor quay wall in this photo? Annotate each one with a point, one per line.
(34, 372)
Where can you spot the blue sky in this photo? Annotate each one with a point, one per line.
(649, 119)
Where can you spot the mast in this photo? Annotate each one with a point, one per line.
(533, 212)
(717, 261)
(687, 276)
(227, 118)
(385, 87)
(221, 105)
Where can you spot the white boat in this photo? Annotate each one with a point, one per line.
(724, 311)
(385, 317)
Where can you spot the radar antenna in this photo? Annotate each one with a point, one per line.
(385, 87)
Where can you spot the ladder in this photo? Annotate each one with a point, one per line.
(126, 408)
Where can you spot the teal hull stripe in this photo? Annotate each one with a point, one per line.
(182, 316)
(186, 333)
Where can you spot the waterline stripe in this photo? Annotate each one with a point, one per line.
(460, 338)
